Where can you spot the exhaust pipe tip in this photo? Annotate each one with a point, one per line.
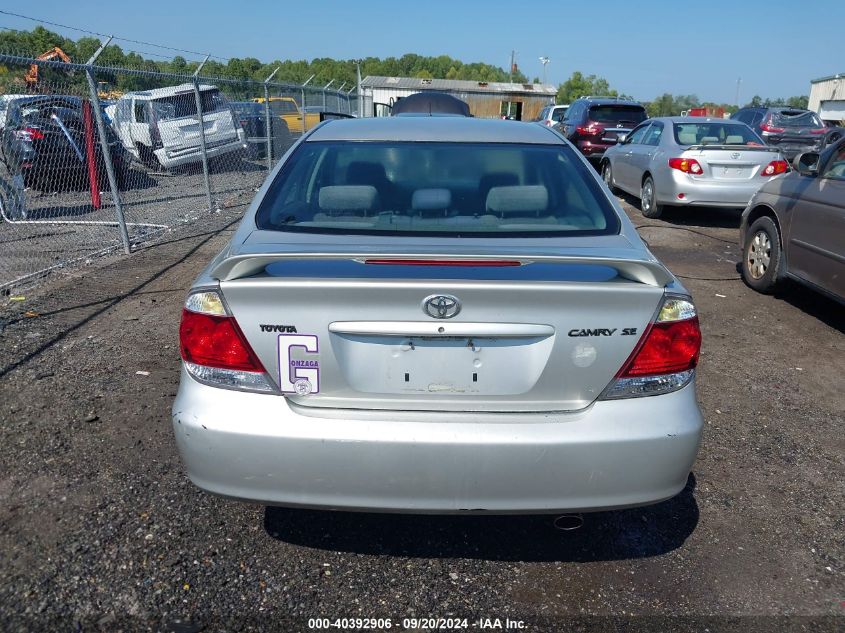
(568, 522)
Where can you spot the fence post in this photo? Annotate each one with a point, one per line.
(201, 123)
(349, 99)
(104, 145)
(325, 88)
(267, 121)
(303, 101)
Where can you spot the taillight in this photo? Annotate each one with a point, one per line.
(768, 128)
(818, 130)
(591, 129)
(775, 167)
(214, 348)
(666, 356)
(29, 134)
(686, 165)
(479, 263)
(34, 132)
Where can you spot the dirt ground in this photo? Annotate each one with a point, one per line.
(101, 530)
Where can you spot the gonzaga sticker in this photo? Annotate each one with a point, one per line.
(299, 372)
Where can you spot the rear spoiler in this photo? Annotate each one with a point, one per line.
(644, 271)
(753, 148)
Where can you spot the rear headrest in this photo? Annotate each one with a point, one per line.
(709, 139)
(349, 198)
(734, 139)
(431, 199)
(686, 138)
(517, 199)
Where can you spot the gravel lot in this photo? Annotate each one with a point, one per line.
(101, 530)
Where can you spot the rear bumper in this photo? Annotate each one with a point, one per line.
(612, 454)
(188, 155)
(706, 193)
(593, 150)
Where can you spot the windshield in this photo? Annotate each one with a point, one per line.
(796, 119)
(184, 104)
(436, 189)
(715, 133)
(614, 115)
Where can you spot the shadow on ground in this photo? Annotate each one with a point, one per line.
(715, 217)
(619, 535)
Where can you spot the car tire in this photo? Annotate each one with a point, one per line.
(648, 200)
(761, 255)
(832, 137)
(607, 177)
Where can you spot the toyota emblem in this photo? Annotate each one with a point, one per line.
(441, 306)
(735, 155)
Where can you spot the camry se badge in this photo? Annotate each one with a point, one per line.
(441, 306)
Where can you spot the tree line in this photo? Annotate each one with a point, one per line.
(35, 42)
(667, 104)
(325, 69)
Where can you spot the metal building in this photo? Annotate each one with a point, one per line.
(827, 97)
(485, 99)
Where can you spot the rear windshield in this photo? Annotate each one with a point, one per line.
(717, 133)
(614, 115)
(796, 119)
(184, 104)
(436, 189)
(559, 114)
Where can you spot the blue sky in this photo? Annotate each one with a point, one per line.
(641, 48)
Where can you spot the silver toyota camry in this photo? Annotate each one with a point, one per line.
(437, 314)
(691, 161)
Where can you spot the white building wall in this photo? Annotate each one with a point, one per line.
(826, 97)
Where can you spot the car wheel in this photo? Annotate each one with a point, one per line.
(648, 200)
(831, 137)
(607, 176)
(761, 255)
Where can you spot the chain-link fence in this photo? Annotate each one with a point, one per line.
(88, 171)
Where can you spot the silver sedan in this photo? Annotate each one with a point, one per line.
(437, 314)
(691, 161)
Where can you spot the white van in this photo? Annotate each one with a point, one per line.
(160, 126)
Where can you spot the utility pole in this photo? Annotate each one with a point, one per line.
(544, 60)
(738, 82)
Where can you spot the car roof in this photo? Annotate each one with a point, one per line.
(696, 119)
(169, 91)
(434, 129)
(609, 101)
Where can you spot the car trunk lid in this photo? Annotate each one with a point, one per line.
(363, 330)
(731, 162)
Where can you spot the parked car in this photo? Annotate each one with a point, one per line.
(288, 109)
(794, 227)
(44, 141)
(691, 161)
(593, 124)
(438, 314)
(5, 100)
(159, 127)
(552, 115)
(792, 130)
(252, 117)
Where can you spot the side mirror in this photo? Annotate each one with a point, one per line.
(622, 139)
(807, 164)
